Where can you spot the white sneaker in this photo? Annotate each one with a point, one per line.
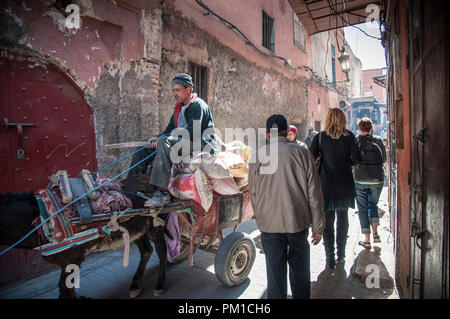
(158, 199)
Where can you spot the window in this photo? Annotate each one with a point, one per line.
(299, 33)
(199, 77)
(268, 32)
(333, 65)
(333, 71)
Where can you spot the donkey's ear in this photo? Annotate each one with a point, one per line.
(135, 183)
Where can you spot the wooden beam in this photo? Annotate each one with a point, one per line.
(125, 145)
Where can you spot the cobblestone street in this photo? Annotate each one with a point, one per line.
(103, 276)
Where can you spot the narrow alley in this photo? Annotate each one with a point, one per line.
(93, 93)
(103, 275)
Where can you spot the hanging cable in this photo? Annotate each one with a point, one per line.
(349, 24)
(118, 160)
(370, 36)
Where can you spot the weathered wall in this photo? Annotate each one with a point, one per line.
(126, 53)
(328, 97)
(370, 87)
(321, 54)
(125, 103)
(247, 16)
(114, 58)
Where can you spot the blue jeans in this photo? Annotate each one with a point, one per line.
(282, 249)
(367, 201)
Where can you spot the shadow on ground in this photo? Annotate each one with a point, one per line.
(368, 279)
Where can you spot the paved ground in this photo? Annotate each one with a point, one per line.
(103, 276)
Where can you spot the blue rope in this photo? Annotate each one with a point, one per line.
(119, 160)
(75, 200)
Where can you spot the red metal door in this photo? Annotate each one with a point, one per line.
(46, 125)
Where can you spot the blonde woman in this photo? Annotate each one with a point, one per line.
(338, 151)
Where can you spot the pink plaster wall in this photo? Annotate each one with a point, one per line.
(247, 16)
(367, 80)
(328, 99)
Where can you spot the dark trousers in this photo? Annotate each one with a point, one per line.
(341, 233)
(162, 163)
(137, 157)
(281, 250)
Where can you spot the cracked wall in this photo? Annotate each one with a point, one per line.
(124, 60)
(114, 58)
(241, 94)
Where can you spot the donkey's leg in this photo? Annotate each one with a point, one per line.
(146, 249)
(70, 274)
(161, 250)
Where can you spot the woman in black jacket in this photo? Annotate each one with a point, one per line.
(338, 151)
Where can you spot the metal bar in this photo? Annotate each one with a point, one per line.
(264, 22)
(185, 220)
(344, 5)
(312, 19)
(7, 124)
(138, 211)
(191, 246)
(98, 217)
(340, 3)
(125, 145)
(346, 12)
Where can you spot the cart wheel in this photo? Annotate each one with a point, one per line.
(234, 259)
(184, 251)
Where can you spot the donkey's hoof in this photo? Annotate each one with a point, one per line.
(158, 292)
(134, 293)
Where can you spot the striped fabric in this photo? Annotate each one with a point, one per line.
(58, 228)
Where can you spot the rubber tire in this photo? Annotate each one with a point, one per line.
(234, 243)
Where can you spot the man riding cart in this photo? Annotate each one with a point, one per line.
(189, 111)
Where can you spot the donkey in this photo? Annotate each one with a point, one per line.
(19, 210)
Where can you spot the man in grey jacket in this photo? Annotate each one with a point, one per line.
(286, 203)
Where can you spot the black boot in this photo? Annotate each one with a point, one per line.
(328, 239)
(329, 251)
(331, 262)
(341, 234)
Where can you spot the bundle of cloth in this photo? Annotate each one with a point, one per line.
(58, 232)
(224, 173)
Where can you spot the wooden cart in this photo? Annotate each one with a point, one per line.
(200, 229)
